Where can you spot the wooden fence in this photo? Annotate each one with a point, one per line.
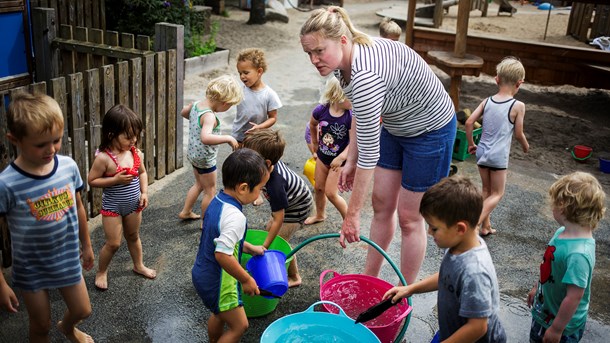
(85, 13)
(148, 82)
(589, 20)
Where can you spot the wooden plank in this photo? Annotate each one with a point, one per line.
(13, 81)
(77, 119)
(72, 14)
(111, 38)
(95, 14)
(79, 9)
(93, 132)
(38, 88)
(108, 99)
(87, 47)
(170, 162)
(68, 65)
(44, 31)
(122, 83)
(135, 85)
(59, 93)
(6, 156)
(161, 112)
(62, 13)
(148, 115)
(127, 40)
(96, 36)
(87, 13)
(143, 43)
(82, 59)
(102, 14)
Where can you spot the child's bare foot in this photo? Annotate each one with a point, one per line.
(146, 272)
(259, 201)
(314, 219)
(486, 231)
(188, 216)
(294, 281)
(75, 336)
(101, 280)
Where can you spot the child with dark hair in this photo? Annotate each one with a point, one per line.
(288, 195)
(118, 168)
(217, 275)
(468, 297)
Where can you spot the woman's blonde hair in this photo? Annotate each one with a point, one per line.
(580, 198)
(510, 71)
(333, 22)
(333, 93)
(225, 89)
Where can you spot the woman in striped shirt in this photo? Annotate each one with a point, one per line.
(385, 80)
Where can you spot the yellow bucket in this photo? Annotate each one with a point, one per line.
(309, 170)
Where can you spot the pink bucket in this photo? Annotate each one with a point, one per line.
(355, 293)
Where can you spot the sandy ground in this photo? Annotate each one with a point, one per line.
(557, 118)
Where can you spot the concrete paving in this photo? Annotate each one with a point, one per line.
(168, 309)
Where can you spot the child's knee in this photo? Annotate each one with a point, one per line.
(113, 246)
(40, 327)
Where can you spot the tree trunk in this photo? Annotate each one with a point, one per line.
(257, 12)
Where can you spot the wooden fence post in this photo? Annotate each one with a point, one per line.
(148, 114)
(93, 131)
(44, 31)
(59, 93)
(161, 110)
(171, 36)
(77, 118)
(6, 153)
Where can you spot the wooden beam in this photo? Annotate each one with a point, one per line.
(97, 49)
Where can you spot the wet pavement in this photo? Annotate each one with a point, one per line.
(168, 309)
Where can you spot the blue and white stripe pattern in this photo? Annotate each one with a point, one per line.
(42, 218)
(389, 80)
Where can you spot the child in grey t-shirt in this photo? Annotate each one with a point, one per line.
(468, 294)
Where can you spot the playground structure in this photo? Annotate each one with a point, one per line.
(589, 19)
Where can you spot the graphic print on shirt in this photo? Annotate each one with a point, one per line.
(330, 134)
(53, 205)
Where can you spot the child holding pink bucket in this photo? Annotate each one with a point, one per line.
(560, 298)
(330, 122)
(287, 193)
(217, 275)
(468, 297)
(502, 115)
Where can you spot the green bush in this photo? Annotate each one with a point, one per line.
(140, 16)
(196, 46)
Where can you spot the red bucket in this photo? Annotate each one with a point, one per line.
(581, 152)
(355, 293)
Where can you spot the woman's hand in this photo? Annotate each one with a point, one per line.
(350, 230)
(346, 179)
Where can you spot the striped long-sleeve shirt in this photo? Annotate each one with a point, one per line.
(391, 81)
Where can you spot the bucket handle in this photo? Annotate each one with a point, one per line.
(312, 307)
(335, 274)
(579, 158)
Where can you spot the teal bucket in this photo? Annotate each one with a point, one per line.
(257, 306)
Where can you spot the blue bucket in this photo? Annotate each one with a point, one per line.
(311, 326)
(269, 271)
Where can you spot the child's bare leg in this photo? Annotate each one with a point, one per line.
(496, 192)
(286, 231)
(39, 313)
(320, 175)
(191, 198)
(112, 230)
(332, 192)
(209, 190)
(78, 309)
(237, 324)
(216, 328)
(131, 229)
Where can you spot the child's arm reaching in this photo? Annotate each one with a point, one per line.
(83, 234)
(208, 121)
(186, 110)
(254, 250)
(474, 329)
(273, 227)
(519, 108)
(426, 285)
(143, 182)
(568, 307)
(271, 119)
(230, 265)
(478, 112)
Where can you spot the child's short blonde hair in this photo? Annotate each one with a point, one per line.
(33, 113)
(267, 142)
(510, 71)
(333, 93)
(255, 56)
(580, 198)
(225, 89)
(389, 29)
